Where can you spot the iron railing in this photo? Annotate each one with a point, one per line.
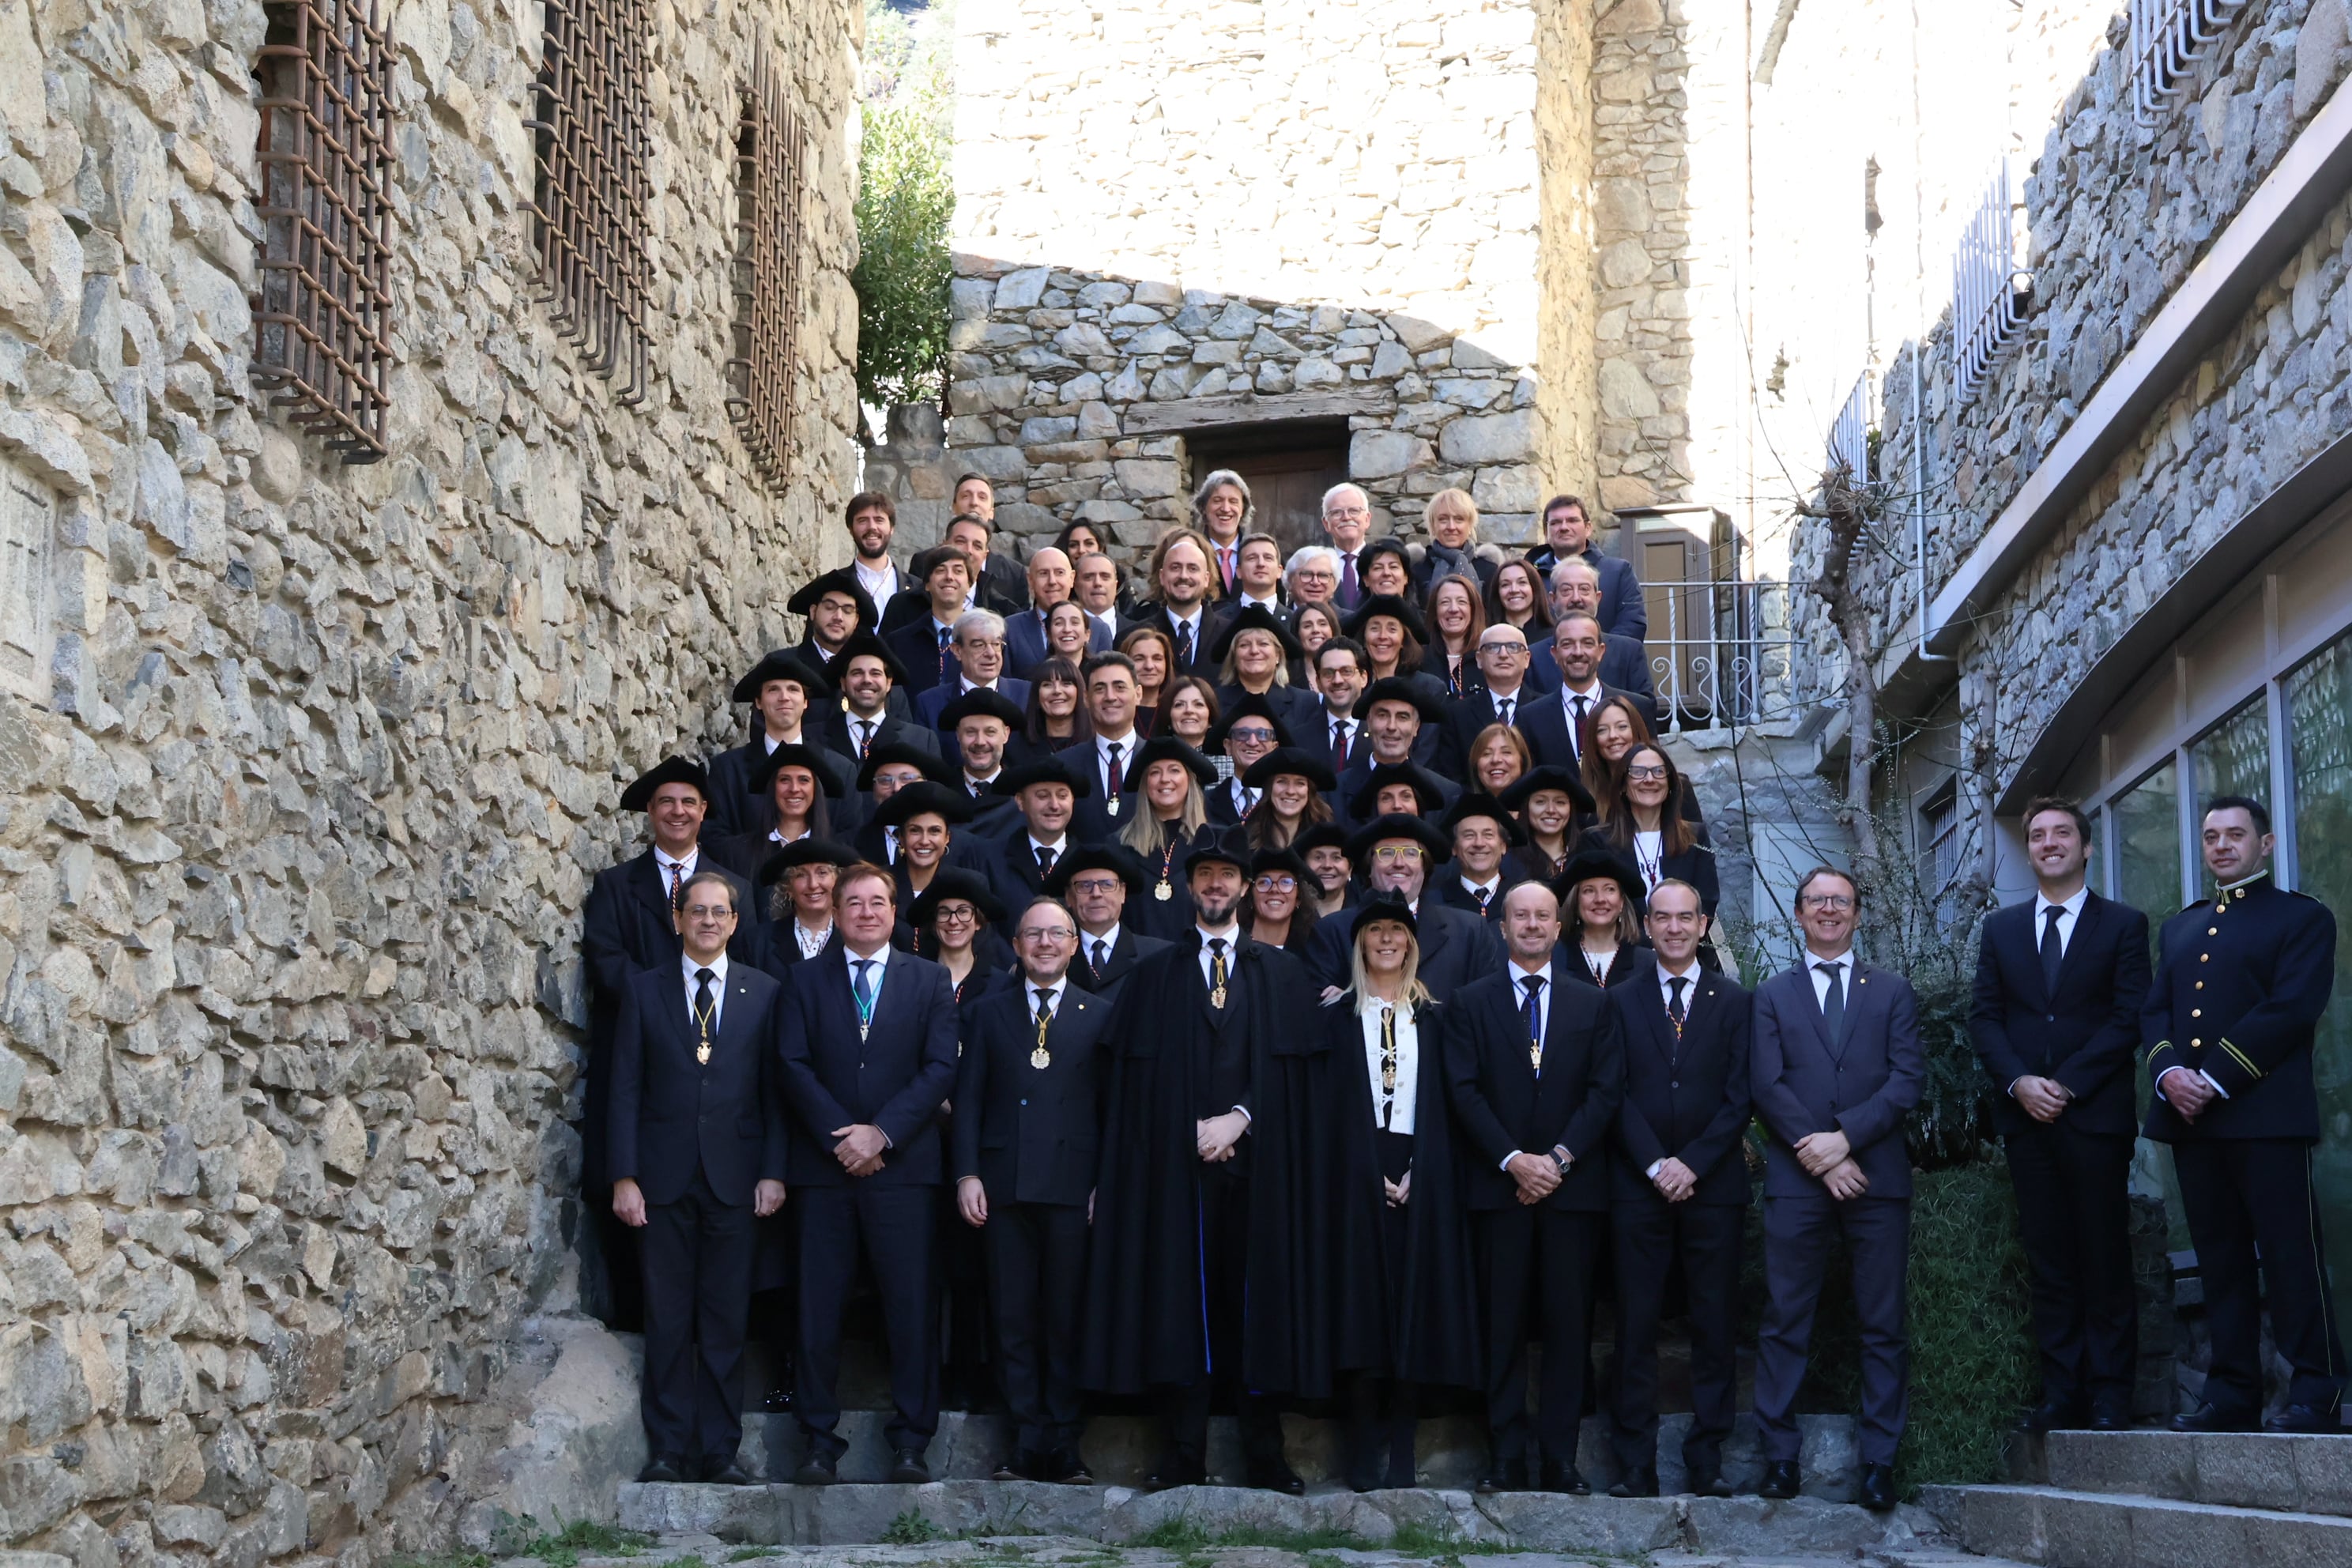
(2166, 37)
(1849, 442)
(1988, 288)
(1724, 654)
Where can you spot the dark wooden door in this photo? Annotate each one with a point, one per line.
(1287, 467)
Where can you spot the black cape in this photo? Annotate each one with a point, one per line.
(1415, 1318)
(1143, 1323)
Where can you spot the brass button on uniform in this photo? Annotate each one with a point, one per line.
(2195, 1042)
(2200, 986)
(2197, 1012)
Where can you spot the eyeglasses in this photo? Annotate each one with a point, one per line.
(1826, 901)
(956, 914)
(1347, 512)
(1251, 737)
(1389, 854)
(1516, 649)
(1051, 933)
(1271, 884)
(1093, 884)
(1646, 771)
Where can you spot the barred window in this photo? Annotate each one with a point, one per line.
(767, 280)
(592, 136)
(323, 313)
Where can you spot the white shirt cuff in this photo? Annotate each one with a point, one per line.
(2209, 1078)
(1656, 1166)
(1505, 1166)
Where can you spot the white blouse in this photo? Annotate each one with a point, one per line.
(1395, 1085)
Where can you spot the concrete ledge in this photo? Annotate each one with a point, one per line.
(2254, 1470)
(2105, 1530)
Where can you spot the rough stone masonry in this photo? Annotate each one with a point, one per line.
(305, 774)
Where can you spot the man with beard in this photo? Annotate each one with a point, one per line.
(1210, 1271)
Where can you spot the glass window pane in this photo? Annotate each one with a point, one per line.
(2148, 878)
(2319, 746)
(2234, 757)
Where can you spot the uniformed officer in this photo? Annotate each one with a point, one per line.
(2241, 982)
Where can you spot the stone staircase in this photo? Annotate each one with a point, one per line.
(2165, 1500)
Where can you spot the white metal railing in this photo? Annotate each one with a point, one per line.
(2166, 37)
(1849, 443)
(1989, 287)
(1725, 653)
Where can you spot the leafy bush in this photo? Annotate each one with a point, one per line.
(905, 196)
(1973, 1363)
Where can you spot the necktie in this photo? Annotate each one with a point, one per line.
(702, 979)
(1674, 983)
(1184, 644)
(1347, 589)
(677, 874)
(946, 634)
(1217, 971)
(1342, 733)
(1225, 568)
(863, 989)
(1532, 1009)
(1833, 1004)
(1044, 861)
(1481, 894)
(865, 738)
(2051, 951)
(1101, 957)
(1112, 781)
(1575, 724)
(1504, 707)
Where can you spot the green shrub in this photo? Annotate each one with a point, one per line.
(910, 1529)
(1973, 1365)
(905, 196)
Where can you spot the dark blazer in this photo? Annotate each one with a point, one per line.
(1434, 664)
(1456, 948)
(735, 810)
(1013, 866)
(1154, 614)
(672, 1115)
(1025, 639)
(1624, 664)
(1030, 1133)
(1620, 969)
(1130, 950)
(1694, 865)
(1004, 586)
(1863, 1087)
(1545, 724)
(1685, 1098)
(895, 704)
(2085, 1035)
(894, 1078)
(1502, 1105)
(930, 704)
(1466, 716)
(1447, 879)
(916, 646)
(835, 738)
(1624, 613)
(1311, 732)
(1359, 772)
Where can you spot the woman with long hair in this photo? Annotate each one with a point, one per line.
(1068, 634)
(1313, 626)
(1406, 1313)
(1552, 803)
(1154, 656)
(1643, 821)
(1324, 849)
(1457, 619)
(1056, 718)
(1517, 596)
(1293, 785)
(1275, 908)
(1188, 711)
(1253, 654)
(796, 783)
(1168, 777)
(1079, 538)
(1499, 758)
(1393, 636)
(925, 815)
(796, 885)
(1600, 912)
(1619, 724)
(956, 922)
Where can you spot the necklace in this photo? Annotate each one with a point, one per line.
(1166, 889)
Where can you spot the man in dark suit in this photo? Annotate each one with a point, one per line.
(833, 608)
(2242, 983)
(1398, 854)
(2055, 1017)
(1405, 722)
(998, 582)
(1051, 578)
(1029, 1098)
(1560, 727)
(1046, 793)
(1536, 1070)
(868, 1052)
(1625, 661)
(1837, 1066)
(696, 1142)
(1251, 726)
(923, 639)
(1568, 535)
(1182, 580)
(1097, 881)
(871, 676)
(1681, 1190)
(785, 693)
(1483, 833)
(980, 725)
(1332, 731)
(1503, 689)
(979, 650)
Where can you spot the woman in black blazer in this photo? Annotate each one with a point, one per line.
(1600, 906)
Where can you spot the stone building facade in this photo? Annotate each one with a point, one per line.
(305, 768)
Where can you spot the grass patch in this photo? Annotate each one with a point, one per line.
(447, 1559)
(1177, 1534)
(910, 1529)
(564, 1547)
(748, 1553)
(1419, 1539)
(1973, 1365)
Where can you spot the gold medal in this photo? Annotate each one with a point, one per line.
(1163, 892)
(1041, 1058)
(702, 1053)
(1217, 997)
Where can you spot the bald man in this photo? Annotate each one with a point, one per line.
(1052, 579)
(1625, 661)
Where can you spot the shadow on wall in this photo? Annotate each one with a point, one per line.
(1085, 396)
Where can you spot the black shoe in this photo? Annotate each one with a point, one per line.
(2209, 1417)
(1502, 1477)
(1559, 1477)
(1007, 1471)
(2052, 1416)
(1067, 1469)
(1781, 1480)
(663, 1467)
(2307, 1418)
(776, 1401)
(2108, 1421)
(1176, 1470)
(908, 1469)
(1642, 1482)
(1276, 1477)
(724, 1473)
(1705, 1482)
(815, 1471)
(1877, 1490)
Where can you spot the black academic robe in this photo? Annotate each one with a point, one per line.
(1130, 950)
(1144, 1311)
(735, 811)
(1409, 1312)
(1147, 912)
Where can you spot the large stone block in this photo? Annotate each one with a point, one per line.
(1482, 438)
(1380, 454)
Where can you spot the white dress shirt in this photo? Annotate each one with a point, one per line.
(1843, 963)
(880, 962)
(1492, 887)
(1191, 623)
(863, 729)
(1231, 936)
(1108, 941)
(1243, 797)
(1506, 705)
(718, 967)
(2068, 914)
(812, 942)
(676, 874)
(1052, 994)
(879, 586)
(1666, 978)
(1114, 781)
(1392, 1112)
(1568, 698)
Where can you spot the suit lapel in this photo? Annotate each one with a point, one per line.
(2085, 923)
(734, 1014)
(645, 880)
(1810, 1005)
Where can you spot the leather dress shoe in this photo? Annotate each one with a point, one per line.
(906, 1468)
(1278, 1477)
(815, 1471)
(2209, 1418)
(2108, 1421)
(2051, 1416)
(663, 1467)
(1559, 1477)
(725, 1473)
(1703, 1482)
(1067, 1469)
(1008, 1471)
(1503, 1478)
(1642, 1482)
(1877, 1490)
(1176, 1470)
(2307, 1418)
(1781, 1480)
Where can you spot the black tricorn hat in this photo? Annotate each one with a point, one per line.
(868, 644)
(1382, 907)
(1053, 768)
(783, 664)
(1425, 788)
(954, 882)
(1548, 776)
(1283, 859)
(1116, 859)
(1386, 605)
(1396, 825)
(792, 754)
(1322, 834)
(1168, 749)
(918, 798)
(1248, 705)
(1485, 805)
(1296, 760)
(1214, 845)
(1587, 864)
(809, 851)
(1253, 619)
(935, 768)
(639, 795)
(840, 580)
(1402, 688)
(983, 702)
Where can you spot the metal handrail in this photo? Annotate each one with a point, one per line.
(1725, 655)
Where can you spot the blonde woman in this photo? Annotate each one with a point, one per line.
(1452, 518)
(1169, 777)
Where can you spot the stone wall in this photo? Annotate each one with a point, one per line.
(300, 797)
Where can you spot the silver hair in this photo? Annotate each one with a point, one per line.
(1361, 494)
(1307, 553)
(1217, 479)
(988, 622)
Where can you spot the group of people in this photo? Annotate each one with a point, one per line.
(1286, 986)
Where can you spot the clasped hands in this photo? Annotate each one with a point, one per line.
(2187, 1090)
(1828, 1158)
(1216, 1136)
(860, 1149)
(2041, 1098)
(1538, 1175)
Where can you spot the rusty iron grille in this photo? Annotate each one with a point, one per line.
(767, 269)
(323, 313)
(592, 134)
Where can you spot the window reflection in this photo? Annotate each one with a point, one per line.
(2319, 750)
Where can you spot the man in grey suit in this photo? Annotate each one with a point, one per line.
(1836, 1065)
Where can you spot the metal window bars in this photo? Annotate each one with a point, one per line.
(592, 136)
(322, 309)
(767, 274)
(2166, 37)
(1849, 439)
(1725, 655)
(1990, 289)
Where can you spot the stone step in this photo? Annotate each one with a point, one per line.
(2074, 1528)
(2251, 1469)
(1450, 1451)
(853, 1514)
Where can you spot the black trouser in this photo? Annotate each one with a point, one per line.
(1224, 1266)
(1036, 1273)
(1646, 1237)
(2241, 1197)
(1536, 1264)
(696, 1255)
(1381, 1408)
(616, 1256)
(892, 1226)
(2073, 1215)
(1799, 1233)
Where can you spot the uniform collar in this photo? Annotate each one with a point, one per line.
(2242, 887)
